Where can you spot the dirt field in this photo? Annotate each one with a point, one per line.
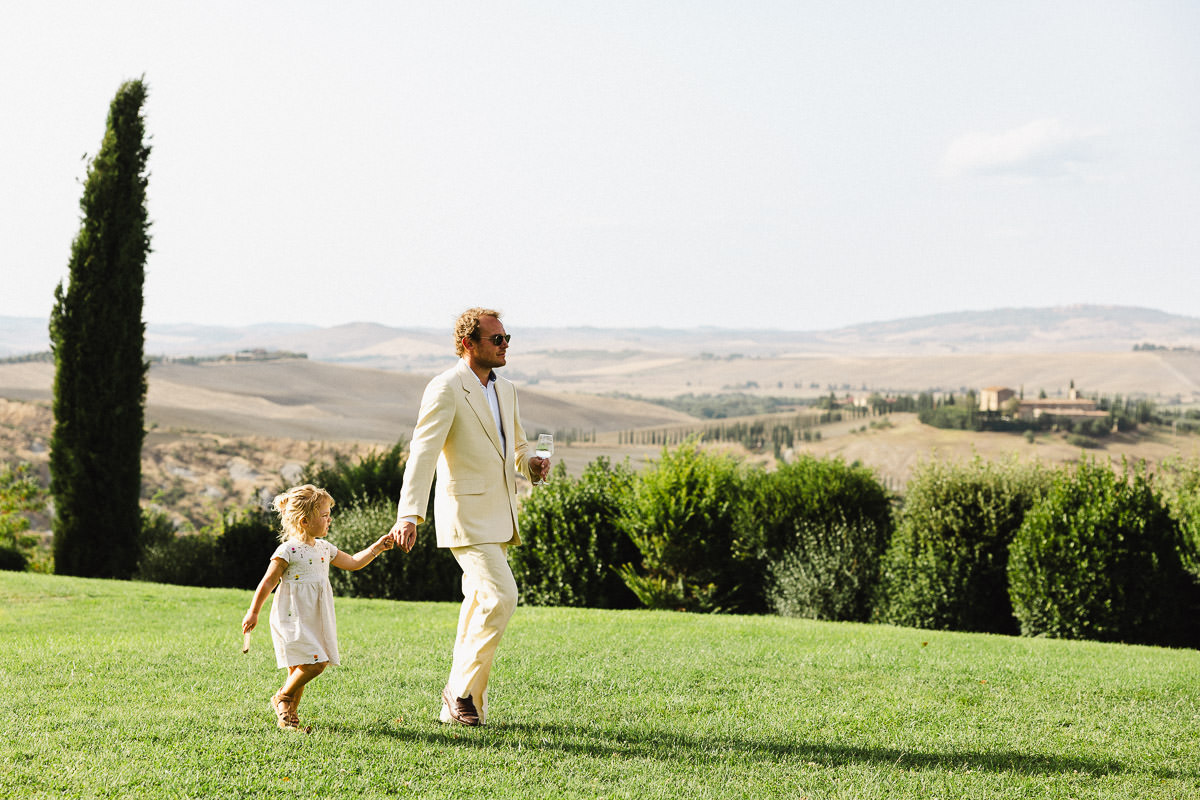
(1166, 376)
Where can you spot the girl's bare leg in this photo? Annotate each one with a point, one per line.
(293, 687)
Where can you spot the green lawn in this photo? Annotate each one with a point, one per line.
(119, 689)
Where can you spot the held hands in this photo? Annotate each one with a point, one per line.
(404, 534)
(384, 543)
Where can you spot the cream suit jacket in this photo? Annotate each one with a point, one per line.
(455, 437)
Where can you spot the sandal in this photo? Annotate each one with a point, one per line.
(284, 718)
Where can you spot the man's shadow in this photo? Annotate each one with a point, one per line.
(665, 745)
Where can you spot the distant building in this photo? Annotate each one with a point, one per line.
(1073, 407)
(993, 398)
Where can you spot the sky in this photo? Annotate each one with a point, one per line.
(786, 165)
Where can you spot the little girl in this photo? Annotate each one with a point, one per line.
(303, 626)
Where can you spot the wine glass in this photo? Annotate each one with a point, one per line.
(544, 449)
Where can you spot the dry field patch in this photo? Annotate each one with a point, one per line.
(1165, 376)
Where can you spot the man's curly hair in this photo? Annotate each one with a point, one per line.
(468, 326)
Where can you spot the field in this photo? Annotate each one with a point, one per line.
(118, 689)
(1165, 376)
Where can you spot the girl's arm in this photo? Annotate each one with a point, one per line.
(274, 573)
(363, 557)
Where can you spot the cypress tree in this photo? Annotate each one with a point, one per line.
(97, 335)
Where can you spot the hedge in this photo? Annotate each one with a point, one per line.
(1099, 558)
(947, 564)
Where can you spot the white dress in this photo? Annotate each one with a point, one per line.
(303, 626)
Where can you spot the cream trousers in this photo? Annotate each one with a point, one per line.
(489, 599)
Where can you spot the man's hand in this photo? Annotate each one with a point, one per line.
(405, 535)
(540, 467)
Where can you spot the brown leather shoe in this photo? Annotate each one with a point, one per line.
(462, 709)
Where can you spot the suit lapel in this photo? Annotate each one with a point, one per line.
(477, 400)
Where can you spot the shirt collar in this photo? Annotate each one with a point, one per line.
(491, 375)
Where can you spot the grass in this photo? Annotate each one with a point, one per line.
(116, 689)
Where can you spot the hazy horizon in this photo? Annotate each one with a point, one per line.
(767, 165)
(866, 323)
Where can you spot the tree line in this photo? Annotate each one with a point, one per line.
(964, 413)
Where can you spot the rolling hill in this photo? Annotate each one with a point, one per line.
(1065, 329)
(309, 400)
(363, 381)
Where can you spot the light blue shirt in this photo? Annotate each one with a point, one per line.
(489, 389)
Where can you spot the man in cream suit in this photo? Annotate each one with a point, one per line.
(469, 433)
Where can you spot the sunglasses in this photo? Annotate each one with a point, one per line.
(497, 339)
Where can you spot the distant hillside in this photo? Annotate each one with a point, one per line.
(308, 400)
(1034, 349)
(1039, 330)
(1078, 329)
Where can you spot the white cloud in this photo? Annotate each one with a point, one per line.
(1040, 149)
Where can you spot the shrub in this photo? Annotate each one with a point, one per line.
(1183, 501)
(686, 516)
(245, 546)
(375, 476)
(817, 491)
(189, 560)
(947, 564)
(20, 492)
(809, 495)
(424, 573)
(12, 559)
(1098, 558)
(571, 541)
(157, 528)
(1082, 442)
(830, 573)
(955, 417)
(236, 556)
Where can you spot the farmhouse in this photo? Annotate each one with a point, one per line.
(1073, 407)
(993, 398)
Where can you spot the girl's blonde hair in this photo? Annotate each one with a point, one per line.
(296, 505)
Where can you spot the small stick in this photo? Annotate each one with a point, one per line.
(246, 642)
